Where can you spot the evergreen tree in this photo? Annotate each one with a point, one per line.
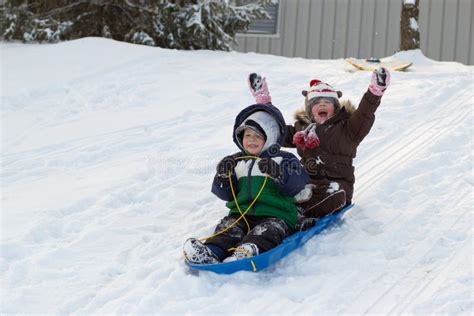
(181, 24)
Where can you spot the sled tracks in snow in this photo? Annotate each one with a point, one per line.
(430, 258)
(431, 261)
(393, 155)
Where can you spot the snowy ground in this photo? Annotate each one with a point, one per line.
(107, 157)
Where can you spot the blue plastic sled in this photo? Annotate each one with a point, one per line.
(268, 258)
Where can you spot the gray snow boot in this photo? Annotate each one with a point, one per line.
(243, 251)
(197, 252)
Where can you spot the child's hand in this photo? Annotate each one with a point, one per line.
(226, 165)
(379, 81)
(270, 167)
(259, 89)
(307, 138)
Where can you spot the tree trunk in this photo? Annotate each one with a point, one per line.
(409, 31)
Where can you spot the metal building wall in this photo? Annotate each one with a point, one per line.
(446, 30)
(327, 29)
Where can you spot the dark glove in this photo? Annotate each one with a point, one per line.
(270, 167)
(255, 82)
(381, 75)
(226, 165)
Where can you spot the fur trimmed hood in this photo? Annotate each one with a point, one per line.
(346, 106)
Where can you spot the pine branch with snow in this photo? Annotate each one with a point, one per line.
(186, 24)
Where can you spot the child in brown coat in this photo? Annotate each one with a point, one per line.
(327, 134)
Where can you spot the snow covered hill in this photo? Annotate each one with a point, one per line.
(107, 156)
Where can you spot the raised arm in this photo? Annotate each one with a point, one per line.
(361, 121)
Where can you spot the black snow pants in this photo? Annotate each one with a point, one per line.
(265, 232)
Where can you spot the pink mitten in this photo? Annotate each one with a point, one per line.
(262, 96)
(379, 81)
(259, 89)
(298, 140)
(312, 139)
(306, 138)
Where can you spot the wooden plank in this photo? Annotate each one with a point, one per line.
(380, 29)
(341, 29)
(354, 28)
(315, 26)
(302, 28)
(327, 35)
(368, 19)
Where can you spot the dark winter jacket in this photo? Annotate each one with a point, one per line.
(276, 199)
(339, 137)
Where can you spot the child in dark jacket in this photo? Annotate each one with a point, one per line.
(327, 134)
(264, 179)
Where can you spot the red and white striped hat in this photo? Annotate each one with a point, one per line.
(318, 89)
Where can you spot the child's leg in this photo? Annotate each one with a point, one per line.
(230, 237)
(215, 249)
(326, 199)
(267, 234)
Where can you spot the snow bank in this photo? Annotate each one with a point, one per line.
(108, 152)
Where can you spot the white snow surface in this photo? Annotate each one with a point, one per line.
(108, 151)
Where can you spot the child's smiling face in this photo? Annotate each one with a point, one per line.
(322, 109)
(253, 142)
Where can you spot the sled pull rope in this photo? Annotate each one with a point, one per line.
(247, 254)
(242, 215)
(235, 198)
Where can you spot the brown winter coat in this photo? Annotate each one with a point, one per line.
(339, 137)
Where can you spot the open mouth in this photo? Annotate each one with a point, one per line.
(323, 113)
